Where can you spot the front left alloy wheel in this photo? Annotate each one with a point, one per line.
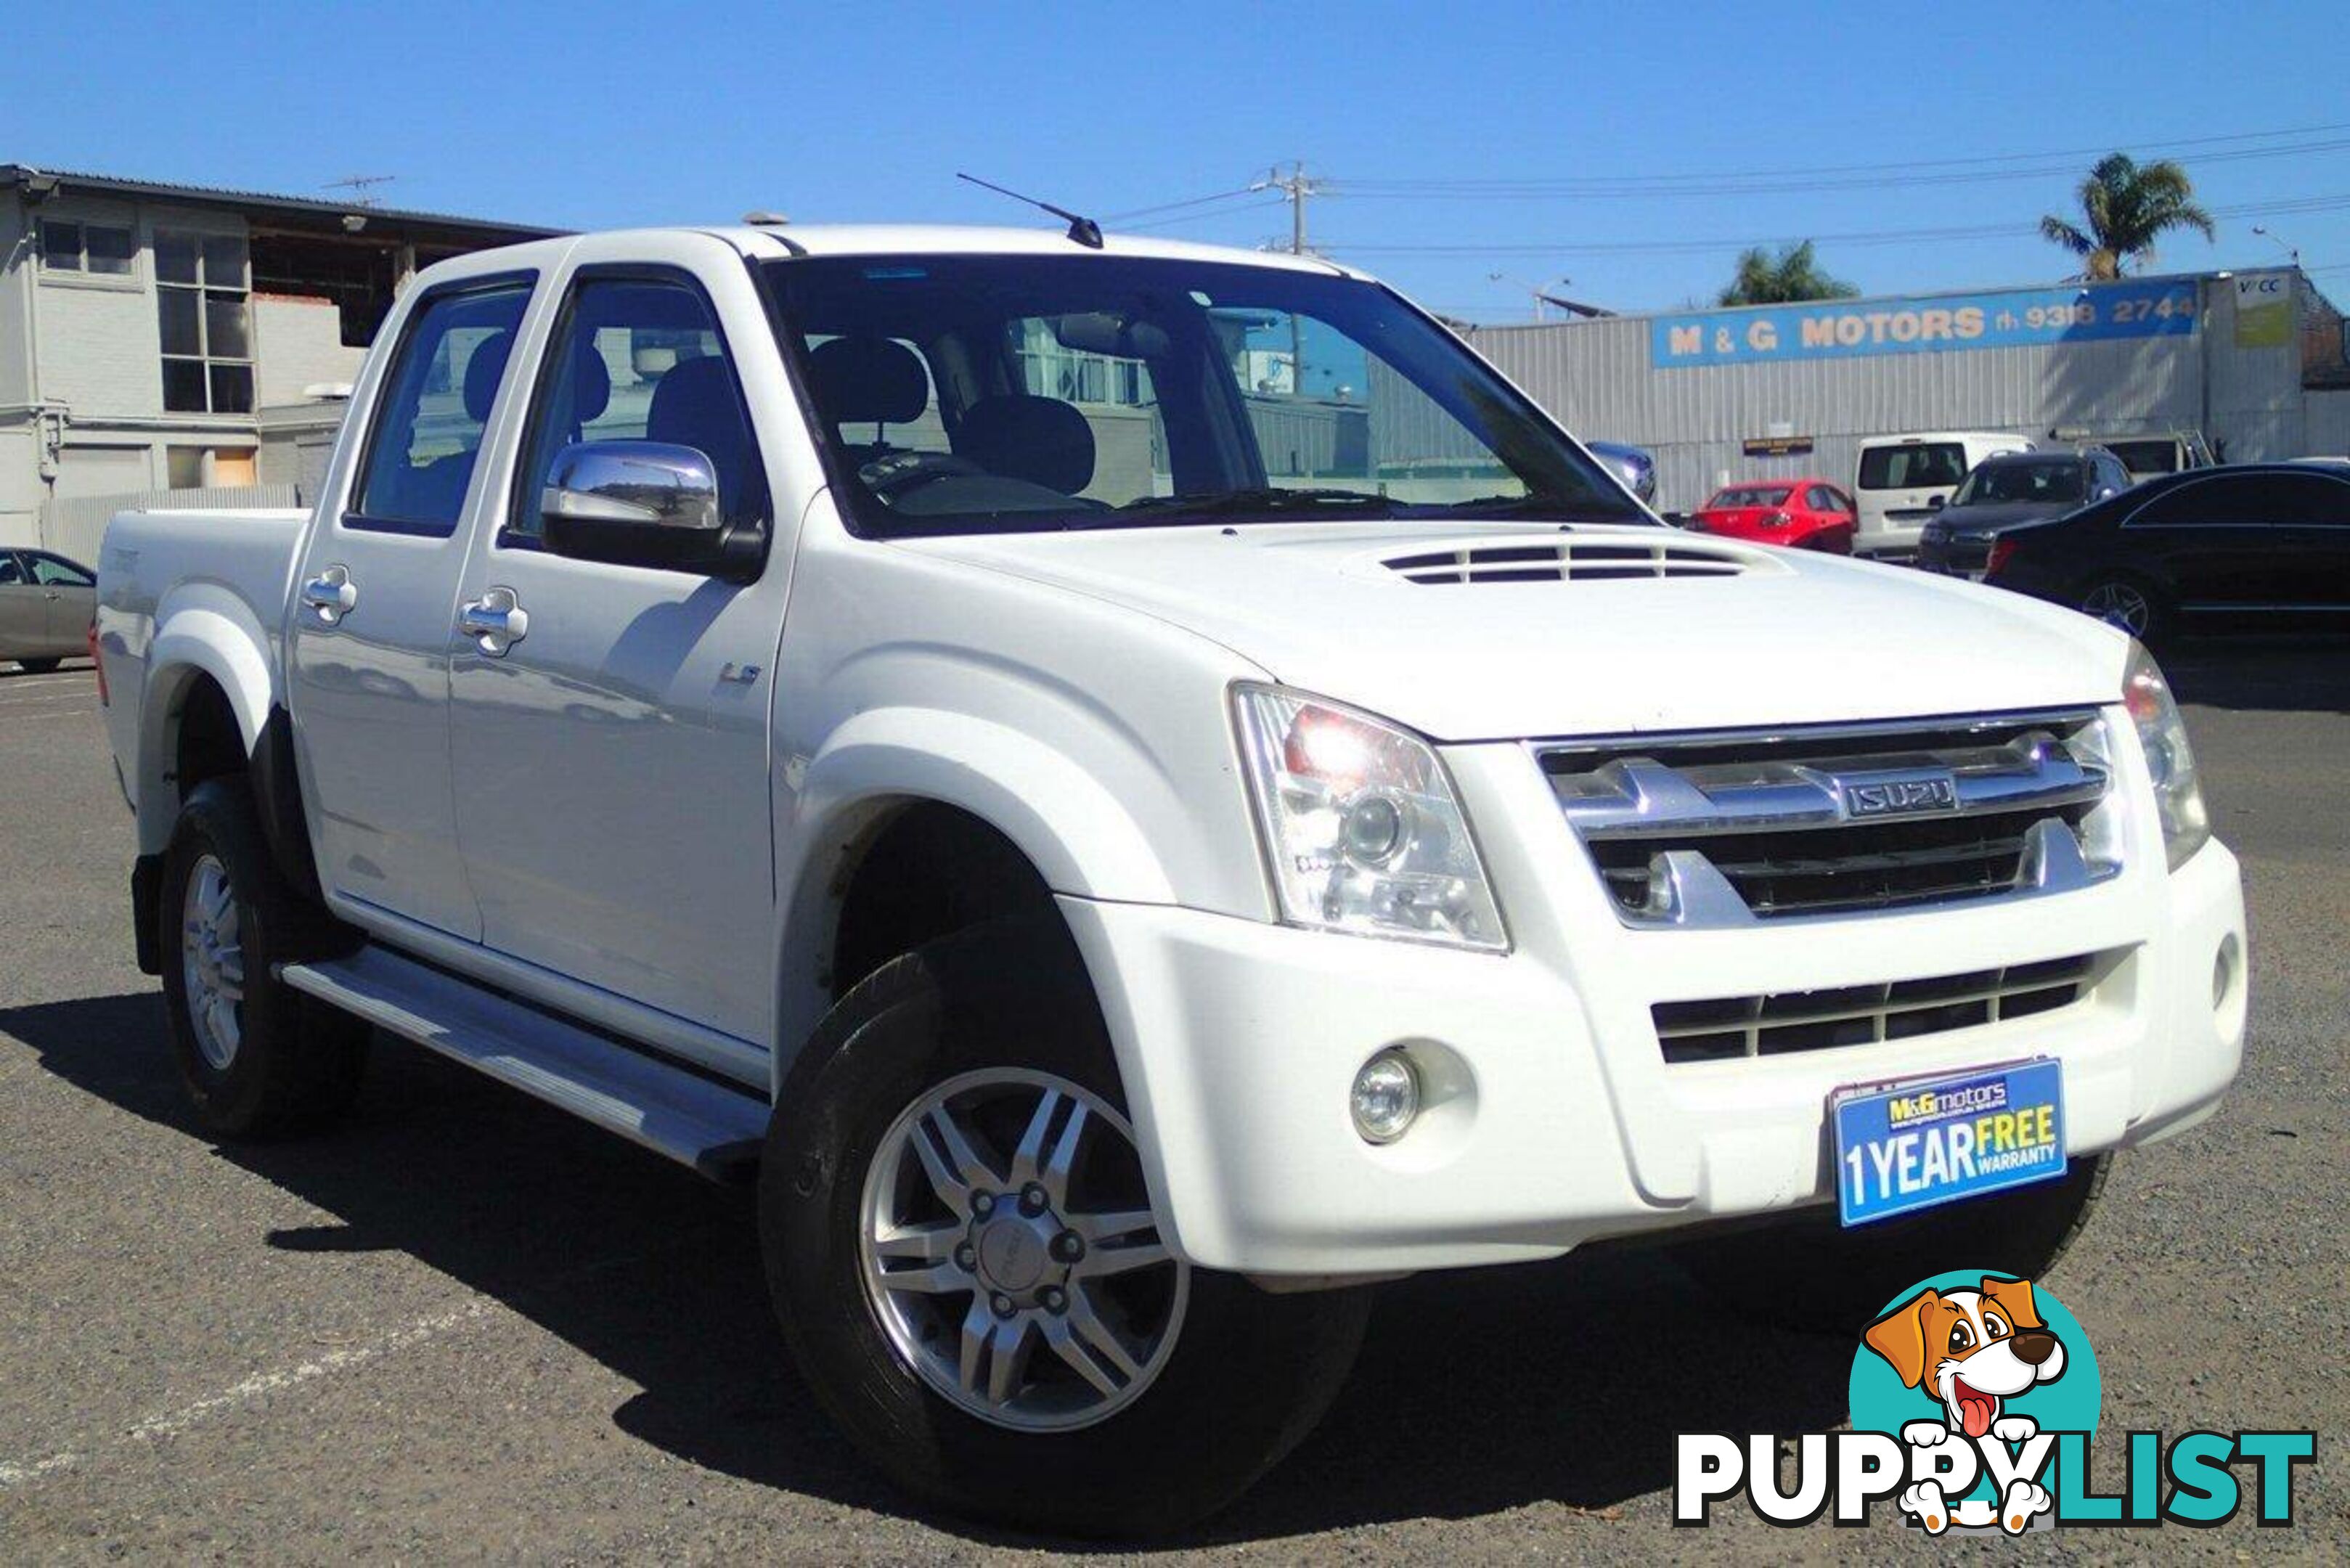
(1033, 1289)
(970, 1275)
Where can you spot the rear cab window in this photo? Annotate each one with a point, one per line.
(435, 406)
(1927, 465)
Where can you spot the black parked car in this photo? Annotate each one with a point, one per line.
(2009, 490)
(2255, 546)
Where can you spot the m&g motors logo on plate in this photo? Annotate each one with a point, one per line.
(1975, 1398)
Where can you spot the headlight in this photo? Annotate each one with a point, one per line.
(1361, 826)
(2161, 734)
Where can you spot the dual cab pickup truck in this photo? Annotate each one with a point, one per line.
(1136, 790)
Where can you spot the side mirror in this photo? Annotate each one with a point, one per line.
(639, 504)
(1934, 503)
(2107, 493)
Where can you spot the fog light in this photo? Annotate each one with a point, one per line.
(2223, 974)
(1386, 1097)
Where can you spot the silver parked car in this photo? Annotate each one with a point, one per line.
(46, 605)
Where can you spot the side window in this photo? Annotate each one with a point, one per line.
(52, 573)
(639, 358)
(2198, 503)
(436, 402)
(11, 575)
(1820, 498)
(2311, 500)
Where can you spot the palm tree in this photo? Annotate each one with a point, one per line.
(1793, 275)
(2128, 207)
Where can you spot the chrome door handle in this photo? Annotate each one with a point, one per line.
(495, 622)
(332, 594)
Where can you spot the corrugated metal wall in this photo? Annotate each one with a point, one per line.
(76, 526)
(1595, 375)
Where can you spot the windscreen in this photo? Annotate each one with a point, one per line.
(2056, 479)
(964, 394)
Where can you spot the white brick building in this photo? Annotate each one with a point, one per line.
(144, 327)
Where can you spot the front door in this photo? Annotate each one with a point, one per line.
(374, 613)
(24, 612)
(72, 599)
(611, 761)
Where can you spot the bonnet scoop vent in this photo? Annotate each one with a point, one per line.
(1571, 561)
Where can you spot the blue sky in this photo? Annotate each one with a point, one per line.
(581, 115)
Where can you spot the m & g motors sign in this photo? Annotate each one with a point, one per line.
(1839, 329)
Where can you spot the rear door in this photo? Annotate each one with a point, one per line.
(2214, 541)
(375, 608)
(611, 762)
(72, 599)
(2315, 507)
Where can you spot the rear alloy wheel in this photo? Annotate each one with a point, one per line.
(2125, 604)
(211, 963)
(258, 1057)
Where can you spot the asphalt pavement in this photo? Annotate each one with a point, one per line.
(465, 1325)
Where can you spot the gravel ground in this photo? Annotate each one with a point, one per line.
(467, 1326)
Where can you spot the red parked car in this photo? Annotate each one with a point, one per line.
(1804, 514)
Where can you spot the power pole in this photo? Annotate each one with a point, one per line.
(1297, 187)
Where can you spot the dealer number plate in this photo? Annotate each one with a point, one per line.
(1937, 1140)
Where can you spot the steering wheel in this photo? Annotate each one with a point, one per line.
(893, 475)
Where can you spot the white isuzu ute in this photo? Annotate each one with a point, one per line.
(1136, 790)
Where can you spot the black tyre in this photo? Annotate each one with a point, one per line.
(1808, 1273)
(2131, 603)
(979, 1377)
(39, 666)
(258, 1058)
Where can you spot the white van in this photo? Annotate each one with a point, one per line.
(1904, 479)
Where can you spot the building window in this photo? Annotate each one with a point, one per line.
(200, 467)
(101, 249)
(203, 296)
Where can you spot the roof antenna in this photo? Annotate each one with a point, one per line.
(1085, 230)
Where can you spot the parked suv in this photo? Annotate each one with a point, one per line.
(2008, 490)
(1126, 858)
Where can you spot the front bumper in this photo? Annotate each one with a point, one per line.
(1961, 556)
(1552, 1118)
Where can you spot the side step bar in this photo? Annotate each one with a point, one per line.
(713, 1128)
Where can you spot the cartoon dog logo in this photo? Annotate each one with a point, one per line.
(1974, 1351)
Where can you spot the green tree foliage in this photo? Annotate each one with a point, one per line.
(1793, 275)
(2126, 207)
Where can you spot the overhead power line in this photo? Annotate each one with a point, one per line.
(1177, 206)
(1606, 188)
(1857, 237)
(1181, 218)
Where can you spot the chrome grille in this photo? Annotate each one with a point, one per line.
(1567, 561)
(1724, 1028)
(1723, 830)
